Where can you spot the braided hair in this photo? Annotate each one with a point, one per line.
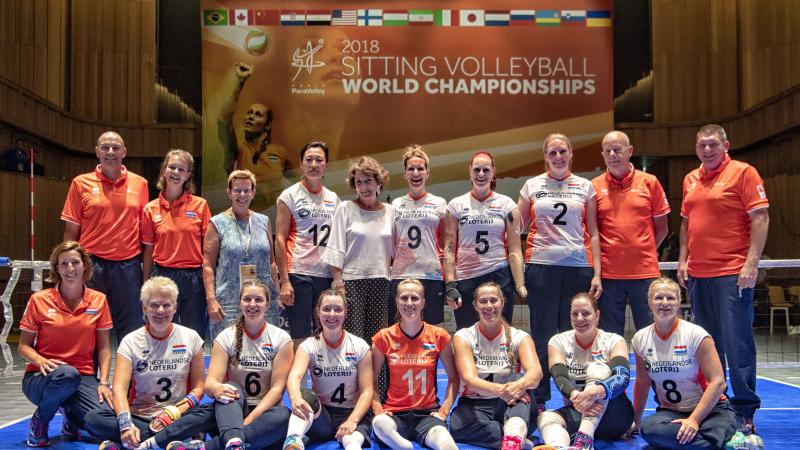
(240, 322)
(511, 358)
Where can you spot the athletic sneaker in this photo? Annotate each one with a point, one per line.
(547, 447)
(235, 444)
(741, 442)
(511, 443)
(294, 442)
(110, 445)
(68, 429)
(37, 432)
(194, 444)
(582, 441)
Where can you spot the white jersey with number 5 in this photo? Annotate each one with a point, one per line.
(254, 369)
(309, 228)
(672, 365)
(160, 367)
(481, 233)
(334, 370)
(418, 251)
(491, 356)
(557, 234)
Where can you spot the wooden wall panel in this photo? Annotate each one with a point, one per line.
(769, 48)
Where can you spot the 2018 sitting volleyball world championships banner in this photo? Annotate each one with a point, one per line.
(371, 77)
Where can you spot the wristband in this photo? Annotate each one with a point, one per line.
(173, 412)
(124, 421)
(193, 400)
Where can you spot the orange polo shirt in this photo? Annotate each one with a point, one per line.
(716, 203)
(176, 231)
(625, 211)
(108, 213)
(61, 333)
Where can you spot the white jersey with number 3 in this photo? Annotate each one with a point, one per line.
(160, 367)
(418, 251)
(334, 371)
(482, 244)
(491, 356)
(672, 365)
(309, 228)
(254, 369)
(577, 358)
(557, 234)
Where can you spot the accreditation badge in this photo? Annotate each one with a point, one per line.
(247, 272)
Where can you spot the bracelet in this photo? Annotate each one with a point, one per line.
(337, 284)
(106, 384)
(192, 399)
(124, 421)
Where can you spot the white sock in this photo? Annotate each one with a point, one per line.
(589, 423)
(298, 425)
(353, 441)
(386, 430)
(515, 426)
(438, 438)
(552, 426)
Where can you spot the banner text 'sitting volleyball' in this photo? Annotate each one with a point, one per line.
(370, 78)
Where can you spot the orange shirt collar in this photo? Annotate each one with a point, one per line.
(303, 182)
(85, 300)
(623, 183)
(490, 338)
(162, 200)
(706, 174)
(664, 337)
(334, 345)
(253, 337)
(169, 332)
(123, 176)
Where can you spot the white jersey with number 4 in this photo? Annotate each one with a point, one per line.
(160, 367)
(418, 251)
(672, 365)
(557, 234)
(578, 357)
(334, 370)
(482, 244)
(254, 369)
(491, 356)
(309, 228)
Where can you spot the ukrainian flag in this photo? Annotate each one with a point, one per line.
(598, 18)
(548, 18)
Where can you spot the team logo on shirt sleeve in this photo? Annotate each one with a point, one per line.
(91, 311)
(191, 214)
(761, 193)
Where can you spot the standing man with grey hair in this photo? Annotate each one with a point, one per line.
(103, 212)
(723, 232)
(632, 214)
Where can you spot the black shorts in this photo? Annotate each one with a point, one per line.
(415, 424)
(330, 418)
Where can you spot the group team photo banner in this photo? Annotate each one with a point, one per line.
(371, 77)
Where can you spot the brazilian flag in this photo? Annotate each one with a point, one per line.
(213, 17)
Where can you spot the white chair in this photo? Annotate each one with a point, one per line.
(777, 302)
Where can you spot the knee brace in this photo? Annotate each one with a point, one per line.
(438, 438)
(311, 398)
(550, 418)
(515, 426)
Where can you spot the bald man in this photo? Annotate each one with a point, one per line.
(632, 214)
(102, 212)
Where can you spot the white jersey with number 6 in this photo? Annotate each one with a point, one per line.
(557, 233)
(481, 233)
(672, 365)
(334, 370)
(254, 369)
(160, 367)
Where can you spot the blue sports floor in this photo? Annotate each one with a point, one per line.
(778, 423)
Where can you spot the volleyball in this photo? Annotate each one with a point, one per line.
(256, 42)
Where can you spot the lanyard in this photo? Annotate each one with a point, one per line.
(245, 243)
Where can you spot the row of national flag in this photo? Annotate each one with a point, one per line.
(387, 17)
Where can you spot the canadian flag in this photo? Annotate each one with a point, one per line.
(241, 17)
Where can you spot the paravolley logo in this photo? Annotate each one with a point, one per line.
(303, 58)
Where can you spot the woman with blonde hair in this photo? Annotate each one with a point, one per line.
(237, 248)
(419, 227)
(173, 228)
(359, 251)
(497, 406)
(562, 255)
